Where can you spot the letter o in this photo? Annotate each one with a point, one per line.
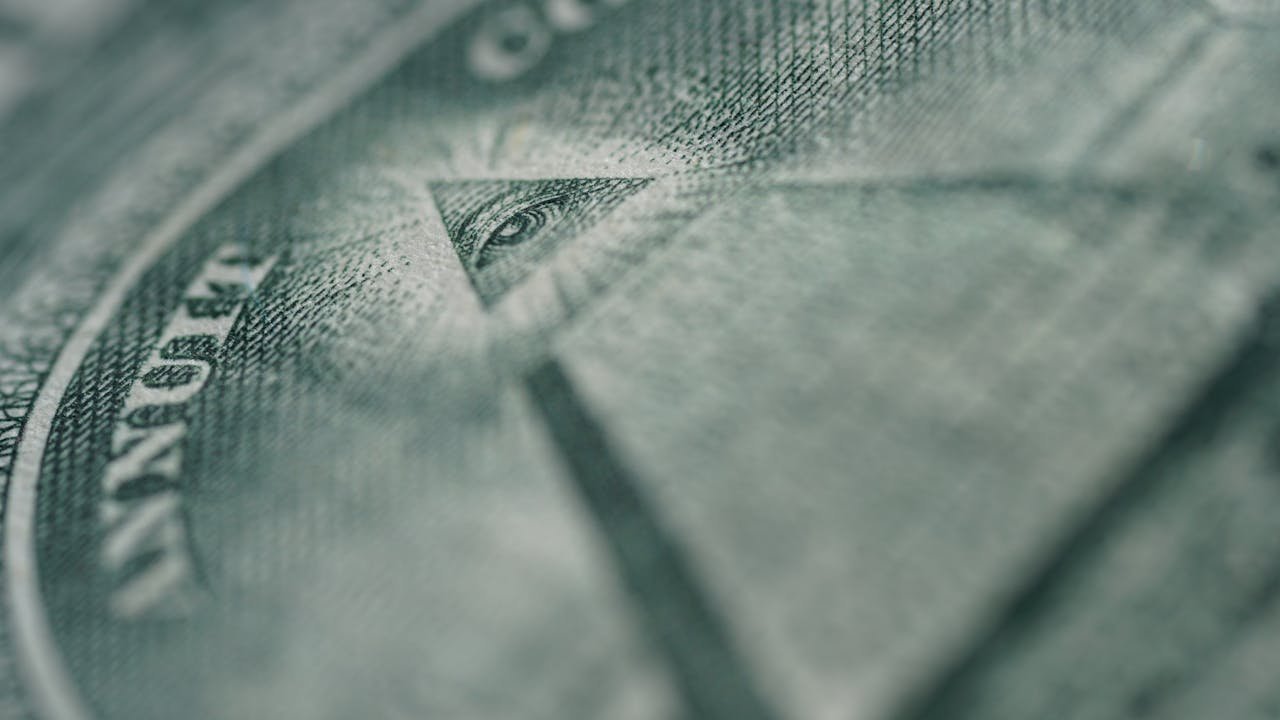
(509, 43)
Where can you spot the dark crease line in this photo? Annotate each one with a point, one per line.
(1126, 118)
(1256, 357)
(676, 613)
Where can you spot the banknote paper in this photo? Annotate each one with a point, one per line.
(901, 359)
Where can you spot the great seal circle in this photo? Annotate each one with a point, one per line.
(40, 664)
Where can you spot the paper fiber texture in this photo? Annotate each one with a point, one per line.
(643, 359)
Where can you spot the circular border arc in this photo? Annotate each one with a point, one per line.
(41, 667)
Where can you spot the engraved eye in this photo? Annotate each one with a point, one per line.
(503, 230)
(519, 227)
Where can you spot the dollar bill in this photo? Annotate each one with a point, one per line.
(646, 358)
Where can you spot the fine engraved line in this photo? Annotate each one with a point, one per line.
(42, 669)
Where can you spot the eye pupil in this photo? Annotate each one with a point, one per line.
(514, 226)
(519, 228)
